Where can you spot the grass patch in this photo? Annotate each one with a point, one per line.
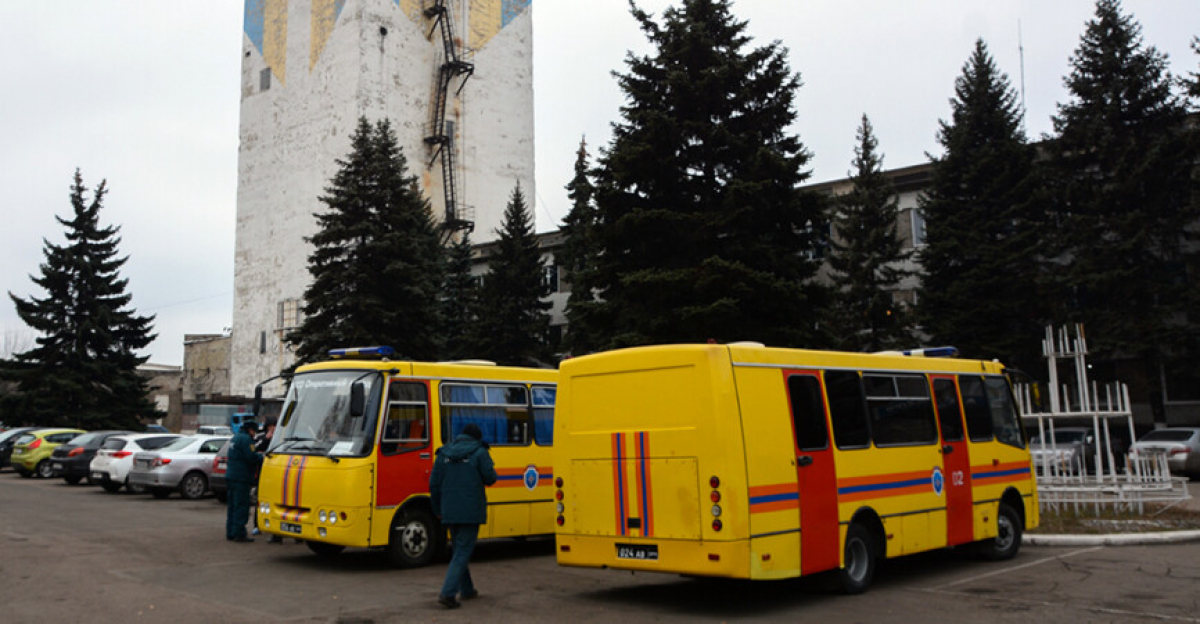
(1088, 522)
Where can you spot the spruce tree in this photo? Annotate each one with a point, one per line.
(512, 324)
(578, 257)
(1123, 169)
(83, 371)
(377, 261)
(980, 288)
(867, 256)
(459, 301)
(702, 231)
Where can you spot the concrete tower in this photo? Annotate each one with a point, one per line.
(455, 77)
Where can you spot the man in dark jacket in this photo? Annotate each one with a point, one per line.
(460, 472)
(241, 473)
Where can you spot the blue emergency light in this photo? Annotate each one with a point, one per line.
(928, 352)
(363, 353)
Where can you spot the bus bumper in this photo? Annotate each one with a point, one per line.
(701, 558)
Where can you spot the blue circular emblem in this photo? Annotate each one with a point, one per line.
(531, 477)
(939, 483)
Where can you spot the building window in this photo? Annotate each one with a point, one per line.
(288, 314)
(550, 277)
(264, 80)
(918, 227)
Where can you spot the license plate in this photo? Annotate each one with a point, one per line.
(639, 552)
(98, 476)
(56, 466)
(288, 527)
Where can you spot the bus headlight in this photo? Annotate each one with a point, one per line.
(264, 509)
(321, 516)
(332, 517)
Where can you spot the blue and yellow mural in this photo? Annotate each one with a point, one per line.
(265, 23)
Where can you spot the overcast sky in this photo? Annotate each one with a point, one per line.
(146, 95)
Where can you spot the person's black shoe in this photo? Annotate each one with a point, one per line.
(243, 539)
(449, 602)
(470, 595)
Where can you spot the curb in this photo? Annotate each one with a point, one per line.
(1117, 539)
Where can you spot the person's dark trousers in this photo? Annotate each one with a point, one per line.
(458, 577)
(239, 510)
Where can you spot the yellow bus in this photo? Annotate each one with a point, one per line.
(348, 464)
(750, 462)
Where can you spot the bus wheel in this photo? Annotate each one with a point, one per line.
(413, 540)
(1008, 535)
(324, 550)
(856, 574)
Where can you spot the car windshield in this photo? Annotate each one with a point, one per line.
(1062, 437)
(316, 419)
(1167, 435)
(177, 445)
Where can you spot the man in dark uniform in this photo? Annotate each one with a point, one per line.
(460, 472)
(241, 474)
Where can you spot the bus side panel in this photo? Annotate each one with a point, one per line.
(902, 485)
(996, 467)
(520, 502)
(773, 498)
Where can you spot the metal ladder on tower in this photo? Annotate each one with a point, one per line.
(457, 218)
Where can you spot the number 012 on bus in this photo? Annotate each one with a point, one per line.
(750, 462)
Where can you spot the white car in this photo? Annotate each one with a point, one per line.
(110, 467)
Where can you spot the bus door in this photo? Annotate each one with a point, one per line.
(956, 461)
(405, 449)
(816, 479)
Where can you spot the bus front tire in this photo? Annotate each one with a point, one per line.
(414, 539)
(859, 568)
(1008, 535)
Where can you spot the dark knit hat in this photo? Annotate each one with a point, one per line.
(473, 430)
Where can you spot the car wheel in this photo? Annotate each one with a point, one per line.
(859, 568)
(324, 550)
(133, 488)
(111, 487)
(193, 486)
(72, 480)
(415, 539)
(160, 493)
(1008, 535)
(44, 470)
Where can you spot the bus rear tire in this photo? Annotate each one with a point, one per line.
(1008, 535)
(855, 576)
(414, 540)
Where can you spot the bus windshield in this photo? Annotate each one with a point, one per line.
(316, 419)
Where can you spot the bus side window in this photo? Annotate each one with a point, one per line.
(406, 427)
(949, 411)
(501, 412)
(900, 409)
(975, 406)
(1004, 414)
(847, 409)
(808, 413)
(543, 414)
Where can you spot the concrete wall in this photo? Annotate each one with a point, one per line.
(310, 69)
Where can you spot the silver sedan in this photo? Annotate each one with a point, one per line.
(184, 465)
(1181, 445)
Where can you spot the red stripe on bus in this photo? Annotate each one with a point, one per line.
(644, 483)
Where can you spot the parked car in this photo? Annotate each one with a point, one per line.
(31, 453)
(110, 467)
(157, 429)
(1181, 445)
(8, 439)
(216, 478)
(72, 461)
(1074, 450)
(183, 465)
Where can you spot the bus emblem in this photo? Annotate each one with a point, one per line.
(939, 483)
(531, 477)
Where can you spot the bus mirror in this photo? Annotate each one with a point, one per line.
(358, 400)
(257, 400)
